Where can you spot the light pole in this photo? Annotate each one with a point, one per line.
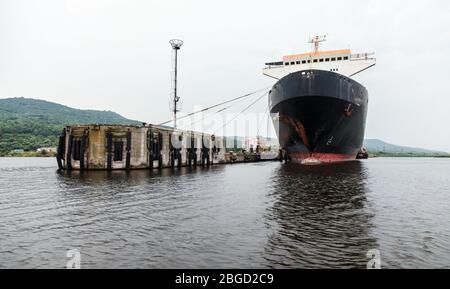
(176, 45)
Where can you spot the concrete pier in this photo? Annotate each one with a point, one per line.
(124, 147)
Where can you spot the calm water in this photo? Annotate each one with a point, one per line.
(264, 215)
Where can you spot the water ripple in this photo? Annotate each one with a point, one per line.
(247, 216)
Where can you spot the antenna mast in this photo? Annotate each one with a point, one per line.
(176, 45)
(316, 40)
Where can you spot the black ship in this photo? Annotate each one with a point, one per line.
(319, 111)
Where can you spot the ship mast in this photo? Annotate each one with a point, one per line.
(316, 40)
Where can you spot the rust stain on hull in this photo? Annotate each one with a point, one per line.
(298, 127)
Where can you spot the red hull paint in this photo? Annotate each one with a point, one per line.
(322, 157)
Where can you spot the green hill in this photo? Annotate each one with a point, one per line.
(380, 148)
(29, 124)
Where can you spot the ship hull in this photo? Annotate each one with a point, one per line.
(319, 116)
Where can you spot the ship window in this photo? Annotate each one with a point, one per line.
(333, 59)
(321, 60)
(118, 151)
(286, 63)
(346, 58)
(309, 61)
(327, 59)
(298, 62)
(292, 63)
(339, 58)
(304, 61)
(315, 60)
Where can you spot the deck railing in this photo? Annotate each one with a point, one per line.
(362, 56)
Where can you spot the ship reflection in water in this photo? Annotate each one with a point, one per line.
(322, 217)
(261, 215)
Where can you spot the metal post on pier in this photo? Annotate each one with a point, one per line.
(176, 45)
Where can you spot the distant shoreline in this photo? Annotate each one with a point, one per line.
(407, 155)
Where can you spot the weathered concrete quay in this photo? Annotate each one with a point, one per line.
(125, 147)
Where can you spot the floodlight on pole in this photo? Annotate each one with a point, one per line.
(176, 45)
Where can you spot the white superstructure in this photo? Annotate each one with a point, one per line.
(339, 61)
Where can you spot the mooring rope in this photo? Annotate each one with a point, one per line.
(216, 105)
(259, 123)
(211, 114)
(244, 110)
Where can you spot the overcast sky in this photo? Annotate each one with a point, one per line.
(114, 55)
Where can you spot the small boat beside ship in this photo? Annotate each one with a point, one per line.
(318, 110)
